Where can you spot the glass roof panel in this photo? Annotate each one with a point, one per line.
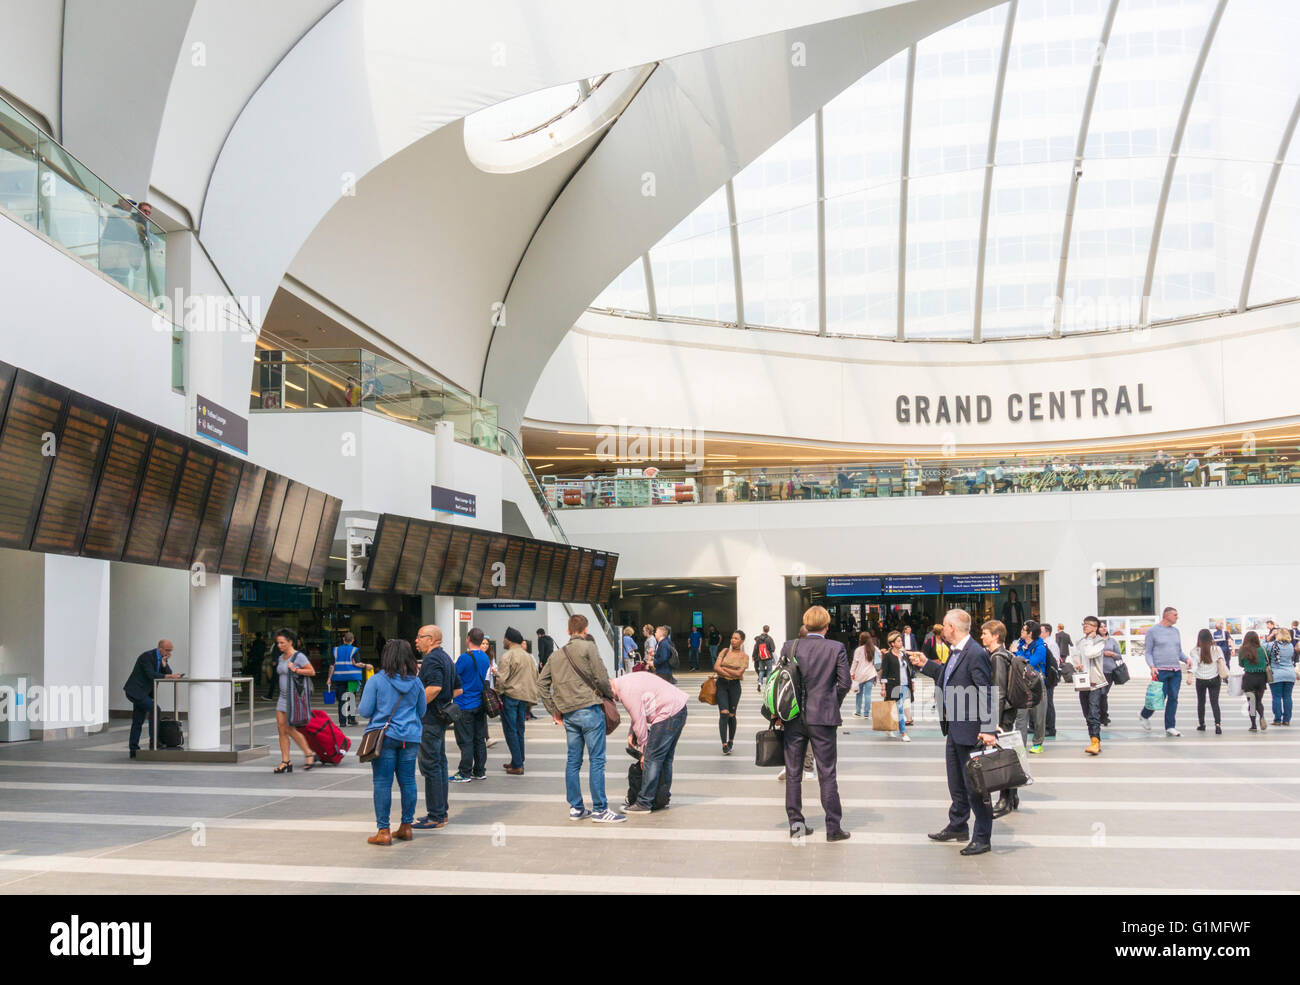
(692, 268)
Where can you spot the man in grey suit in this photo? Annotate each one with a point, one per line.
(824, 676)
(969, 720)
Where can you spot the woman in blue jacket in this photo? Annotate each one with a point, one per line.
(1281, 658)
(1033, 649)
(394, 699)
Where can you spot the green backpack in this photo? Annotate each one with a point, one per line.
(784, 696)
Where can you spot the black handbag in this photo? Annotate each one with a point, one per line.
(1120, 674)
(769, 747)
(991, 772)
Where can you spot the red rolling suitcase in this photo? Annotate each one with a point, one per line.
(325, 739)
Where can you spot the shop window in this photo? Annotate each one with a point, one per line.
(1126, 591)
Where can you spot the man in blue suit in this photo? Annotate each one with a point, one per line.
(969, 719)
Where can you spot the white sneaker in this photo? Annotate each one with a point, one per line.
(809, 775)
(1145, 722)
(608, 817)
(893, 735)
(1173, 733)
(906, 737)
(492, 741)
(781, 775)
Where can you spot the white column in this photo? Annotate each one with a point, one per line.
(206, 613)
(760, 595)
(75, 677)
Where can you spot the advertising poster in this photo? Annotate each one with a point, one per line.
(1138, 625)
(1117, 626)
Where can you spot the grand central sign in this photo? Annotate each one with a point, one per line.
(1047, 405)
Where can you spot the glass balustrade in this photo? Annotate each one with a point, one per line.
(48, 189)
(329, 379)
(950, 477)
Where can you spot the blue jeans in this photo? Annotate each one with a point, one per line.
(1171, 680)
(695, 658)
(433, 764)
(865, 689)
(902, 709)
(395, 757)
(1281, 691)
(660, 747)
(512, 723)
(585, 728)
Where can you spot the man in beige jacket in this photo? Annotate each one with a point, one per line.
(572, 685)
(517, 686)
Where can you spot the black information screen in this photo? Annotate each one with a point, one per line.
(387, 551)
(217, 512)
(435, 557)
(307, 533)
(514, 554)
(412, 558)
(569, 587)
(264, 527)
(70, 491)
(119, 487)
(27, 450)
(243, 518)
(324, 540)
(162, 473)
(286, 533)
(449, 583)
(555, 580)
(187, 510)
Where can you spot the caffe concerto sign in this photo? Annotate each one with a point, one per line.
(1047, 405)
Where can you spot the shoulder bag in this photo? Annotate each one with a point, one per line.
(607, 704)
(769, 746)
(299, 698)
(491, 700)
(709, 690)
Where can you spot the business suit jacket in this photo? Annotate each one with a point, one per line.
(891, 671)
(139, 686)
(910, 642)
(972, 710)
(824, 669)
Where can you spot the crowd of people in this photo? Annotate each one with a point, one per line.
(985, 692)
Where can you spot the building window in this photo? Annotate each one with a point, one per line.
(1126, 592)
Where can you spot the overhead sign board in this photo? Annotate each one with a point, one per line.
(972, 584)
(911, 585)
(223, 426)
(839, 587)
(453, 501)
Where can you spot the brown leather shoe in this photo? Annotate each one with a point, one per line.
(515, 770)
(403, 833)
(381, 837)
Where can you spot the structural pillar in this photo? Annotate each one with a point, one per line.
(206, 612)
(760, 595)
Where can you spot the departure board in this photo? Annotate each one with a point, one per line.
(187, 511)
(386, 551)
(70, 491)
(514, 553)
(412, 558)
(324, 540)
(598, 562)
(523, 588)
(162, 474)
(569, 589)
(119, 488)
(242, 518)
(494, 574)
(286, 534)
(540, 591)
(217, 512)
(306, 543)
(435, 556)
(457, 548)
(265, 526)
(583, 578)
(555, 580)
(475, 557)
(27, 450)
(607, 583)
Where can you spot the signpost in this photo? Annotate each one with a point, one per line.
(218, 424)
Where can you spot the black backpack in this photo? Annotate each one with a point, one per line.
(1051, 670)
(1024, 684)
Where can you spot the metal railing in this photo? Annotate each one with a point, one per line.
(943, 477)
(46, 188)
(289, 379)
(232, 681)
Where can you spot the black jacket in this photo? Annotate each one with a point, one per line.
(139, 686)
(545, 647)
(891, 671)
(969, 709)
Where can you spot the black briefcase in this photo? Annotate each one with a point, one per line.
(170, 734)
(991, 772)
(769, 747)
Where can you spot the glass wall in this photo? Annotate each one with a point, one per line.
(1126, 592)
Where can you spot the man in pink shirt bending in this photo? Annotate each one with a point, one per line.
(658, 713)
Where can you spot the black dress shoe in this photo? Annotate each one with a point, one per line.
(840, 835)
(133, 754)
(1002, 809)
(977, 848)
(948, 834)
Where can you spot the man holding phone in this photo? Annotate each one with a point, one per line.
(968, 717)
(149, 666)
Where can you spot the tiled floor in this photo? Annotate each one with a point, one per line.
(1200, 813)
